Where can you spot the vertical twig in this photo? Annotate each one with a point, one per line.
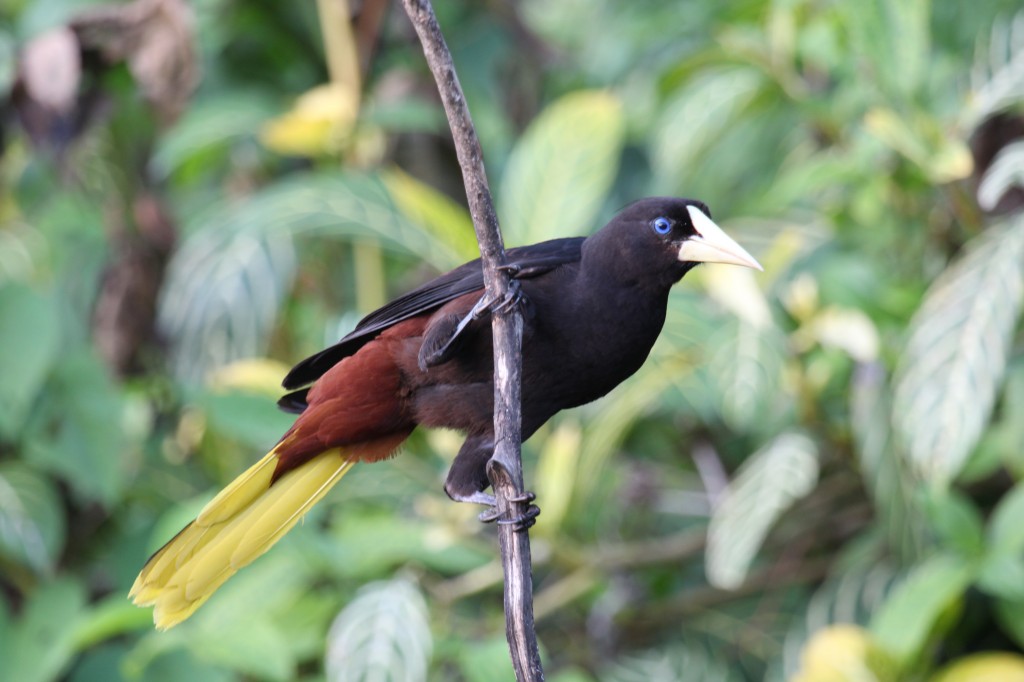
(505, 469)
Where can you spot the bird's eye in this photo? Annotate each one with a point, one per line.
(662, 225)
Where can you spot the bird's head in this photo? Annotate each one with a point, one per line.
(659, 239)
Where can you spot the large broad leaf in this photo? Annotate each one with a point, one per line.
(382, 635)
(746, 366)
(225, 285)
(559, 173)
(766, 485)
(79, 430)
(29, 339)
(954, 361)
(207, 127)
(31, 518)
(39, 644)
(695, 118)
(434, 212)
(909, 616)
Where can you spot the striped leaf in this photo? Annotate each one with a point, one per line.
(562, 168)
(226, 283)
(31, 525)
(954, 361)
(381, 636)
(766, 485)
(746, 364)
(1006, 171)
(997, 79)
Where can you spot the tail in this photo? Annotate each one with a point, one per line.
(237, 526)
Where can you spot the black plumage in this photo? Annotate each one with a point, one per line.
(593, 310)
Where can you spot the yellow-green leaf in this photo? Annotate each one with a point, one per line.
(559, 173)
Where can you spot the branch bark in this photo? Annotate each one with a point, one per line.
(505, 468)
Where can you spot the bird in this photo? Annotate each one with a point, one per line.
(592, 309)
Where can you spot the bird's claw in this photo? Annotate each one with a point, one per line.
(513, 297)
(519, 523)
(523, 521)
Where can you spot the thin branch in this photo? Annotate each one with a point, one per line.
(505, 468)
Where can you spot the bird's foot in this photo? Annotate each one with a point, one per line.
(519, 523)
(491, 515)
(513, 297)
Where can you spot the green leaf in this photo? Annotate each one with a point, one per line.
(29, 340)
(696, 117)
(1002, 571)
(1010, 615)
(1002, 575)
(208, 124)
(904, 623)
(894, 37)
(250, 418)
(486, 661)
(950, 370)
(113, 617)
(956, 521)
(31, 518)
(434, 212)
(556, 473)
(764, 487)
(226, 283)
(238, 629)
(367, 545)
(39, 645)
(254, 650)
(1005, 529)
(746, 368)
(383, 634)
(81, 437)
(562, 168)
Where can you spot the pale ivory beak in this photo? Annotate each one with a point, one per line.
(711, 245)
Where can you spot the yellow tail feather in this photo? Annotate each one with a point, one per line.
(240, 524)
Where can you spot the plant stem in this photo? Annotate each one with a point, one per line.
(505, 468)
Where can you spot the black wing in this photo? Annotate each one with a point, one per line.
(526, 261)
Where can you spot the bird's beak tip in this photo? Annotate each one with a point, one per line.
(712, 245)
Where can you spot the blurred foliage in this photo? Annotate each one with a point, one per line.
(195, 196)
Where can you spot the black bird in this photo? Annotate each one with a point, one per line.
(593, 309)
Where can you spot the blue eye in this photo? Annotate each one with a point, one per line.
(662, 225)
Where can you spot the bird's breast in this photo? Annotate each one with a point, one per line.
(579, 347)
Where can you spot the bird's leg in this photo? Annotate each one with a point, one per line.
(441, 342)
(467, 480)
